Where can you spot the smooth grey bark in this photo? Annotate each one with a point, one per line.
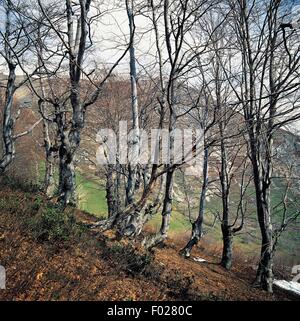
(260, 127)
(134, 143)
(130, 221)
(197, 226)
(262, 183)
(166, 214)
(49, 181)
(227, 252)
(146, 175)
(70, 134)
(168, 197)
(8, 121)
(264, 276)
(69, 143)
(224, 173)
(70, 124)
(227, 234)
(112, 185)
(263, 177)
(50, 150)
(70, 109)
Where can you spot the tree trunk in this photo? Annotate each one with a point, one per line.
(130, 184)
(49, 182)
(8, 122)
(66, 177)
(197, 226)
(226, 261)
(166, 214)
(69, 143)
(264, 276)
(70, 129)
(50, 151)
(134, 143)
(130, 221)
(146, 175)
(111, 196)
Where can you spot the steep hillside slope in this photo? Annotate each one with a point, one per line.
(91, 266)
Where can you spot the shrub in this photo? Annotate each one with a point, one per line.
(52, 225)
(17, 183)
(37, 203)
(178, 284)
(9, 204)
(134, 260)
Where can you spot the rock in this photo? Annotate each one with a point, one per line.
(199, 259)
(289, 286)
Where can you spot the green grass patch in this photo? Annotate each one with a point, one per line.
(179, 222)
(91, 195)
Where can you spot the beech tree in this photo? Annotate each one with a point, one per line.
(269, 78)
(68, 44)
(134, 143)
(14, 47)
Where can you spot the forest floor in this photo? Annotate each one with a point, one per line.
(95, 266)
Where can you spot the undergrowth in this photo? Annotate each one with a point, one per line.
(52, 225)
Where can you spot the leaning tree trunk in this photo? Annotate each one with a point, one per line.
(264, 275)
(8, 122)
(166, 214)
(130, 221)
(146, 175)
(197, 226)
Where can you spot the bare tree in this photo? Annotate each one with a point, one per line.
(268, 80)
(135, 139)
(14, 46)
(72, 27)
